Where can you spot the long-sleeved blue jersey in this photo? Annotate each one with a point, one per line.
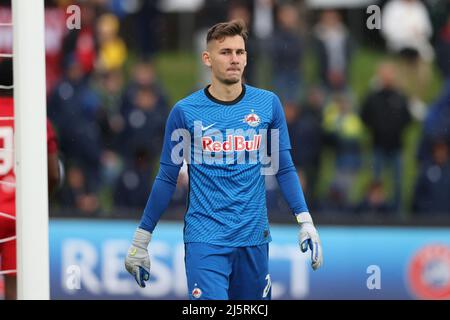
(225, 145)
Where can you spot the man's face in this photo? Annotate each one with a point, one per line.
(226, 58)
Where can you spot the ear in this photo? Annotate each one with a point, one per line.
(206, 58)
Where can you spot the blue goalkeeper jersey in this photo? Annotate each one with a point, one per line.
(224, 144)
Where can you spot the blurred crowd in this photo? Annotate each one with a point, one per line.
(109, 106)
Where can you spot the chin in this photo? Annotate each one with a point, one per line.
(233, 80)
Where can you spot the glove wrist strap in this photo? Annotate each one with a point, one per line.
(141, 238)
(303, 217)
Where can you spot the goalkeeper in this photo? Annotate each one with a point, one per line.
(226, 230)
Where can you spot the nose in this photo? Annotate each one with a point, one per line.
(234, 58)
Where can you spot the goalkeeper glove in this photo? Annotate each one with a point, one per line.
(308, 237)
(137, 261)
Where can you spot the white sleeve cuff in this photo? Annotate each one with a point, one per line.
(141, 238)
(303, 217)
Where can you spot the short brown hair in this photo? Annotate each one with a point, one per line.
(227, 29)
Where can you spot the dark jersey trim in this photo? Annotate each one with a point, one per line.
(210, 97)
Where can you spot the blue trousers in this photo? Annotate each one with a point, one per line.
(226, 273)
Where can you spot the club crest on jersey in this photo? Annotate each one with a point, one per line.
(252, 119)
(196, 293)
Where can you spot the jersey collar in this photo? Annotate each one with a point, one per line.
(210, 96)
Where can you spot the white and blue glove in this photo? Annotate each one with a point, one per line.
(137, 261)
(308, 237)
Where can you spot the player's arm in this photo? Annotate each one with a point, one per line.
(293, 194)
(137, 261)
(292, 190)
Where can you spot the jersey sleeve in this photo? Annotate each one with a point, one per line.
(290, 184)
(279, 123)
(172, 154)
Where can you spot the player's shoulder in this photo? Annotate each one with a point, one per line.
(258, 92)
(180, 107)
(194, 98)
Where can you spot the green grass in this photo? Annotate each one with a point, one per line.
(178, 73)
(411, 141)
(364, 65)
(362, 70)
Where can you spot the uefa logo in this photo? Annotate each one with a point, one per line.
(429, 272)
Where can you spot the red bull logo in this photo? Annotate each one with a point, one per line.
(233, 143)
(212, 144)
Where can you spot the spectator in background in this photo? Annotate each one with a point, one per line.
(433, 185)
(140, 18)
(148, 28)
(73, 107)
(343, 129)
(143, 75)
(438, 11)
(112, 51)
(55, 31)
(375, 202)
(263, 19)
(407, 29)
(262, 28)
(143, 112)
(306, 135)
(443, 50)
(82, 42)
(292, 112)
(286, 52)
(134, 184)
(385, 113)
(77, 192)
(145, 116)
(109, 87)
(335, 202)
(334, 51)
(437, 123)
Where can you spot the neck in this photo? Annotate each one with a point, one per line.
(225, 92)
